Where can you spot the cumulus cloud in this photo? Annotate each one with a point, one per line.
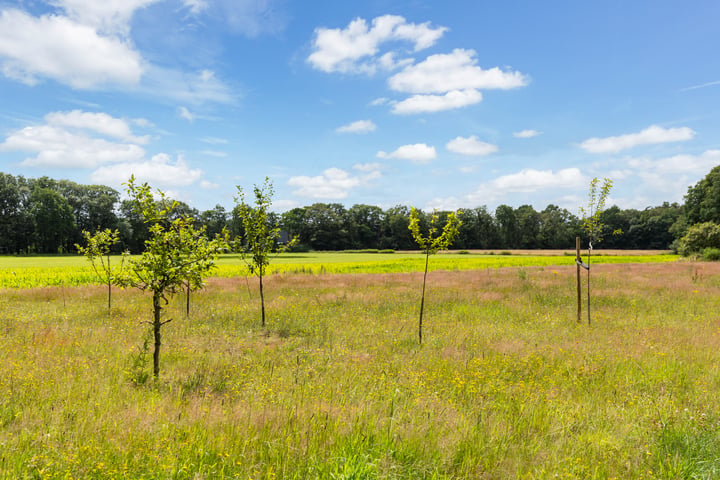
(159, 171)
(334, 183)
(651, 135)
(109, 16)
(692, 164)
(448, 81)
(360, 126)
(526, 134)
(56, 47)
(527, 181)
(86, 45)
(77, 139)
(416, 153)
(453, 71)
(470, 146)
(355, 48)
(437, 103)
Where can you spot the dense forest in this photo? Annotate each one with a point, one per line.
(48, 216)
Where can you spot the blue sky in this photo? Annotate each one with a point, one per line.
(422, 103)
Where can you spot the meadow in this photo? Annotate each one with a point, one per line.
(506, 384)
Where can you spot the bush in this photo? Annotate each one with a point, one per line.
(299, 248)
(463, 252)
(387, 250)
(698, 238)
(711, 254)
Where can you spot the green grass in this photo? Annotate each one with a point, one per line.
(506, 384)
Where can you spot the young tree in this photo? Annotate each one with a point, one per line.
(97, 251)
(597, 196)
(175, 252)
(260, 237)
(431, 243)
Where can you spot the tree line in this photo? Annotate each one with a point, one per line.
(44, 215)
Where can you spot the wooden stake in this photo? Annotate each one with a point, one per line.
(578, 260)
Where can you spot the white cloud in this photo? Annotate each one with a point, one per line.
(453, 71)
(471, 146)
(108, 16)
(372, 168)
(379, 101)
(207, 185)
(185, 114)
(58, 48)
(690, 164)
(334, 183)
(101, 123)
(651, 135)
(526, 181)
(526, 134)
(159, 171)
(214, 153)
(214, 140)
(75, 140)
(530, 180)
(417, 153)
(361, 126)
(437, 103)
(354, 49)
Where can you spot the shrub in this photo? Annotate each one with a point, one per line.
(711, 254)
(699, 237)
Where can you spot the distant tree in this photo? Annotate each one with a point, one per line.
(395, 229)
(558, 228)
(260, 237)
(93, 206)
(175, 252)
(702, 202)
(214, 220)
(508, 226)
(431, 243)
(53, 220)
(328, 226)
(365, 224)
(97, 250)
(529, 223)
(15, 222)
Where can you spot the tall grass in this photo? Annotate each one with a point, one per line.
(507, 385)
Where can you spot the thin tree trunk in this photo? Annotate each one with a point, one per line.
(422, 298)
(109, 274)
(156, 331)
(578, 259)
(187, 300)
(262, 299)
(588, 283)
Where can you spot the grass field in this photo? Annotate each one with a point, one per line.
(506, 385)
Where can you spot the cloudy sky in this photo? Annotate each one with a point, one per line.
(416, 102)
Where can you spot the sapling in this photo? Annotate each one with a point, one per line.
(97, 251)
(176, 252)
(430, 244)
(260, 238)
(597, 196)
